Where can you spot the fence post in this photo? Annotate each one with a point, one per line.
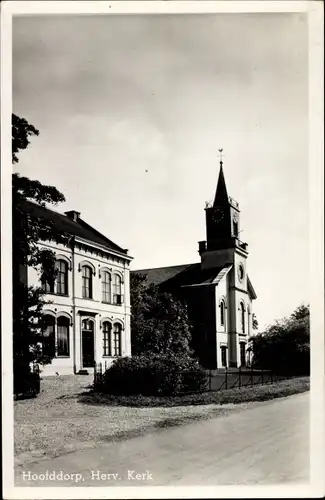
(252, 380)
(239, 382)
(95, 372)
(226, 377)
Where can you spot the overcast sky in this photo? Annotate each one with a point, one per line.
(131, 112)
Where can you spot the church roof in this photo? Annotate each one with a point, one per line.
(158, 275)
(184, 275)
(250, 289)
(64, 224)
(199, 277)
(189, 275)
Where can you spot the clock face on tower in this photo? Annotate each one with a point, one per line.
(241, 272)
(218, 215)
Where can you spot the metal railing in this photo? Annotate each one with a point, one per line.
(99, 370)
(218, 380)
(243, 377)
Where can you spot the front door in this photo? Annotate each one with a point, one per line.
(87, 335)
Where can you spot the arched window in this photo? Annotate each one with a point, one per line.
(63, 336)
(235, 228)
(117, 289)
(47, 287)
(222, 313)
(107, 343)
(62, 277)
(248, 321)
(117, 339)
(48, 343)
(106, 287)
(87, 283)
(242, 317)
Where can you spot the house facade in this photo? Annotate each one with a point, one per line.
(217, 290)
(87, 314)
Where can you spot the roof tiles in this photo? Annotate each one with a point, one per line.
(64, 224)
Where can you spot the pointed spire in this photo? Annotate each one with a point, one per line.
(221, 197)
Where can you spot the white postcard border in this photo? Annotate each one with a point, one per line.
(315, 14)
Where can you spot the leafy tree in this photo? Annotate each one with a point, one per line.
(159, 322)
(285, 346)
(28, 230)
(21, 131)
(301, 313)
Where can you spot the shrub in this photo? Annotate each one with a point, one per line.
(26, 382)
(153, 375)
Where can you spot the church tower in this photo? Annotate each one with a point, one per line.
(222, 229)
(225, 253)
(217, 290)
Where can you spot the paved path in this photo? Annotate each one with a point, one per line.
(266, 444)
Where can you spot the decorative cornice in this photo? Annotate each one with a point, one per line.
(102, 247)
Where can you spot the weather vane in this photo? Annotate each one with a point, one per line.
(220, 155)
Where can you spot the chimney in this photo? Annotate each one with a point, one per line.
(73, 215)
(202, 246)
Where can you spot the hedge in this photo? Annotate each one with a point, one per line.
(153, 375)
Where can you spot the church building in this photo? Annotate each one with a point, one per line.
(217, 290)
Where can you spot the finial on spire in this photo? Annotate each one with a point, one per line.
(221, 197)
(221, 156)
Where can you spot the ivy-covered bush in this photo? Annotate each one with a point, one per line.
(153, 375)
